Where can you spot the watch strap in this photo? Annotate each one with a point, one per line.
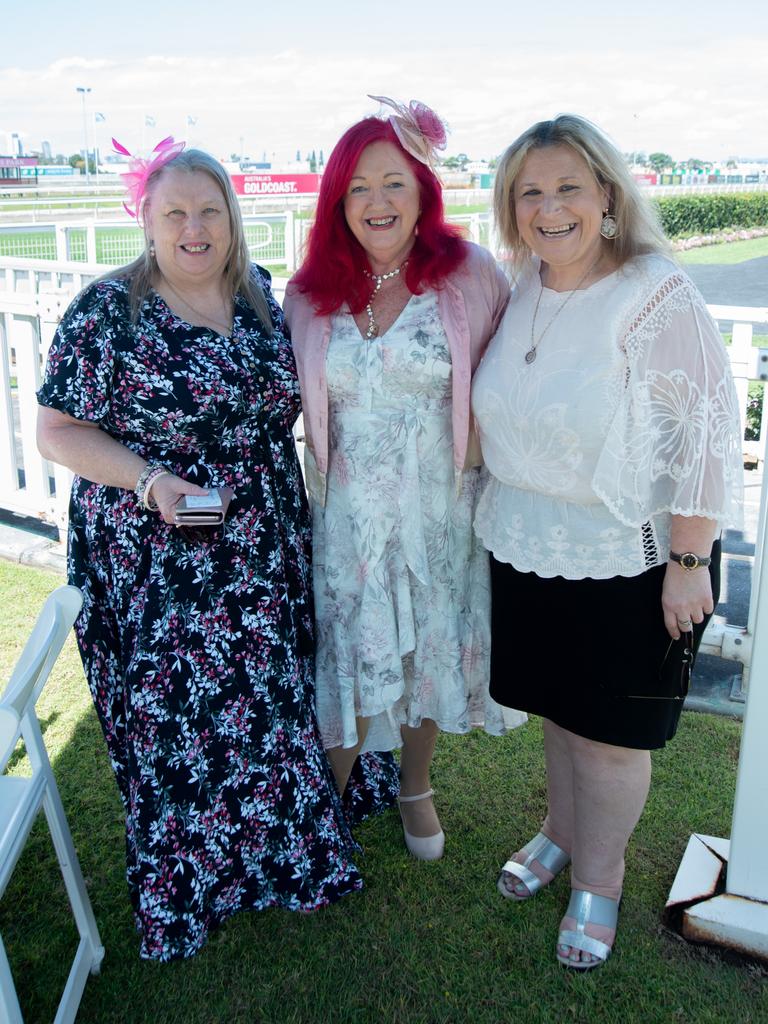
(689, 560)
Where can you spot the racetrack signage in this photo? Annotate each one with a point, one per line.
(275, 184)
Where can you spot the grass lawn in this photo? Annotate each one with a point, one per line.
(424, 943)
(456, 210)
(727, 252)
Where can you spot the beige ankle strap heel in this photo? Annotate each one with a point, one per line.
(422, 847)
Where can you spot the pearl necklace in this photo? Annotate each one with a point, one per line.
(227, 328)
(373, 327)
(530, 355)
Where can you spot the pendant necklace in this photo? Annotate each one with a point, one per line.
(227, 328)
(530, 355)
(379, 279)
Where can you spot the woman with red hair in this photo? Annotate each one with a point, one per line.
(390, 315)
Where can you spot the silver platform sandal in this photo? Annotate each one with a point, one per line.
(547, 853)
(587, 908)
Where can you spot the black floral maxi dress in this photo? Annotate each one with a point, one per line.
(198, 647)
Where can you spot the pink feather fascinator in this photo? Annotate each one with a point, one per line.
(418, 128)
(135, 179)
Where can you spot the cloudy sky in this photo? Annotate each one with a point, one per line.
(689, 78)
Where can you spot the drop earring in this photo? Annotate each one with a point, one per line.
(151, 250)
(608, 226)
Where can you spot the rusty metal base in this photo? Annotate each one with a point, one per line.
(700, 909)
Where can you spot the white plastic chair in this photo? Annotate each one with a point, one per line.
(22, 798)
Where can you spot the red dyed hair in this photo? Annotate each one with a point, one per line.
(334, 270)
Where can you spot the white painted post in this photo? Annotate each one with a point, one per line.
(290, 241)
(747, 862)
(57, 506)
(763, 427)
(741, 364)
(24, 338)
(62, 243)
(90, 243)
(8, 478)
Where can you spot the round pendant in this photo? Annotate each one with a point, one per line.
(530, 355)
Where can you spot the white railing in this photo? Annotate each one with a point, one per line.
(274, 239)
(271, 239)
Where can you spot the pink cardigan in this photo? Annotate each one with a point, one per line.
(471, 303)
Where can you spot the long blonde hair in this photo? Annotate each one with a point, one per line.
(238, 275)
(639, 228)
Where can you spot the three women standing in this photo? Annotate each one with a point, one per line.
(610, 431)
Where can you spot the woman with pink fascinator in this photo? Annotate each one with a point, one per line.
(389, 316)
(171, 392)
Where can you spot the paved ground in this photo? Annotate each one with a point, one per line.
(742, 284)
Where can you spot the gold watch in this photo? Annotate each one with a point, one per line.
(689, 561)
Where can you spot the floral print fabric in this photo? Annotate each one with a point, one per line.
(198, 645)
(401, 585)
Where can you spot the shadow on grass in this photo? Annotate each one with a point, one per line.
(424, 942)
(20, 753)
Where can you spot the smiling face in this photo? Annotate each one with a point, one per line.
(188, 222)
(382, 205)
(559, 207)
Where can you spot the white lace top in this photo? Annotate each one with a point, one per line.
(627, 415)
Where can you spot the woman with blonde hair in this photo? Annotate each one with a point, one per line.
(609, 427)
(168, 379)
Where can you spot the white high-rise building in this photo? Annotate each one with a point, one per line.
(10, 143)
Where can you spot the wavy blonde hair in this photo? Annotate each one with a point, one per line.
(238, 273)
(639, 228)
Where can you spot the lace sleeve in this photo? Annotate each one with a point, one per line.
(674, 442)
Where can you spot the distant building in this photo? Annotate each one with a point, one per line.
(47, 155)
(296, 166)
(17, 170)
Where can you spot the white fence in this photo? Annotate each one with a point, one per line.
(274, 239)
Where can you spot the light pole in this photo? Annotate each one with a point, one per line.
(83, 90)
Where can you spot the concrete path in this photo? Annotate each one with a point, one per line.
(741, 284)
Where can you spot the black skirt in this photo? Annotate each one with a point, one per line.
(594, 656)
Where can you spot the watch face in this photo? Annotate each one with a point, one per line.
(689, 561)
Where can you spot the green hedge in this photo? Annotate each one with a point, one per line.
(695, 215)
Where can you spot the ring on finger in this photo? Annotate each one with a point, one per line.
(684, 623)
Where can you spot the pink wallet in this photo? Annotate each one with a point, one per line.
(204, 509)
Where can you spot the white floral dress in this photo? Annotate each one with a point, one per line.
(402, 597)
